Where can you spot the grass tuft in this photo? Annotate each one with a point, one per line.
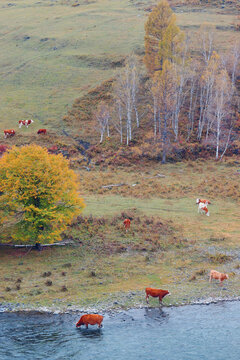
(219, 258)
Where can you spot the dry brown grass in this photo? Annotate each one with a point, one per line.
(192, 179)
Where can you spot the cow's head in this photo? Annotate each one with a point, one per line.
(197, 201)
(79, 323)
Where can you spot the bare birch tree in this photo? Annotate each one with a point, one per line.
(167, 102)
(221, 109)
(155, 92)
(207, 35)
(193, 97)
(207, 82)
(234, 63)
(126, 95)
(102, 116)
(182, 76)
(118, 115)
(134, 66)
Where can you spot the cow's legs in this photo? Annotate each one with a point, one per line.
(86, 326)
(210, 278)
(147, 297)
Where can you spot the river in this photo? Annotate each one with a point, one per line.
(194, 332)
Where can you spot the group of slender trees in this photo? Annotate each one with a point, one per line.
(195, 93)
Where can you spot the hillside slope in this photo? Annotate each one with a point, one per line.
(55, 51)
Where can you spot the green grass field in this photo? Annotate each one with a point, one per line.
(53, 52)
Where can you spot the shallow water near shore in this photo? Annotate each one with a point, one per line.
(185, 333)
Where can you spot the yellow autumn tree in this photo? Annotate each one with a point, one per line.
(39, 194)
(163, 37)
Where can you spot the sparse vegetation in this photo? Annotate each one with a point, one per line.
(219, 258)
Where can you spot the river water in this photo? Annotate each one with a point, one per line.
(195, 332)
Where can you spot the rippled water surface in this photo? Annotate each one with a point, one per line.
(187, 333)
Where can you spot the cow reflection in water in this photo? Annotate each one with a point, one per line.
(90, 333)
(156, 314)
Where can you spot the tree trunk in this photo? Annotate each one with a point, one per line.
(164, 140)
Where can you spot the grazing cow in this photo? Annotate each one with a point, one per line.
(156, 293)
(25, 123)
(202, 209)
(8, 133)
(42, 131)
(218, 276)
(127, 224)
(90, 319)
(202, 206)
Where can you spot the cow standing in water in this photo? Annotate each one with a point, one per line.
(25, 123)
(90, 319)
(156, 293)
(203, 206)
(127, 224)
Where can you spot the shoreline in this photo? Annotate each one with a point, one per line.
(22, 308)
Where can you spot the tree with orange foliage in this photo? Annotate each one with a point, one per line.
(39, 194)
(162, 37)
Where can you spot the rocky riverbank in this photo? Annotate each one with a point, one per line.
(107, 307)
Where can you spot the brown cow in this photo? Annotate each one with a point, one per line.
(8, 133)
(218, 276)
(90, 319)
(156, 293)
(42, 131)
(127, 224)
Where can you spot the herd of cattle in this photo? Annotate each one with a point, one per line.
(93, 319)
(96, 319)
(11, 132)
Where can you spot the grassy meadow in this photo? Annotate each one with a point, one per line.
(169, 244)
(55, 51)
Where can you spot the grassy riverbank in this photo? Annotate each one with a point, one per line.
(169, 245)
(116, 281)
